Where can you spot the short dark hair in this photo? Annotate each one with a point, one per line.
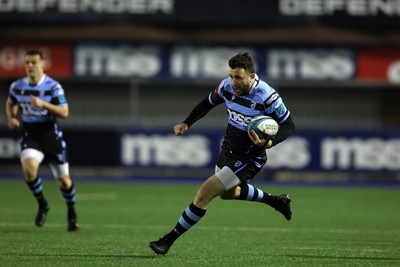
(242, 60)
(33, 51)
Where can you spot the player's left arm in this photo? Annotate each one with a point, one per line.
(279, 112)
(286, 128)
(61, 111)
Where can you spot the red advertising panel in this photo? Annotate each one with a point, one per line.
(379, 64)
(58, 59)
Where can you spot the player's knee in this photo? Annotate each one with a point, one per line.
(230, 194)
(30, 174)
(64, 182)
(202, 199)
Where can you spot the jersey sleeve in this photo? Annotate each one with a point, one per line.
(208, 103)
(275, 108)
(58, 96)
(11, 96)
(215, 97)
(285, 130)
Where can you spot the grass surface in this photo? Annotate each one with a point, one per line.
(330, 227)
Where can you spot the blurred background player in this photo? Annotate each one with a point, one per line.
(243, 153)
(37, 100)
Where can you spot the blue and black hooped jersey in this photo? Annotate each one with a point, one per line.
(261, 100)
(47, 89)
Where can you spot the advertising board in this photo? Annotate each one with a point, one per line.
(347, 151)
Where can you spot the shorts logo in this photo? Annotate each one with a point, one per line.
(238, 163)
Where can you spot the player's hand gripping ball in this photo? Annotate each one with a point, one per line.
(261, 123)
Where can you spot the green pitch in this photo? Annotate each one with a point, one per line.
(330, 227)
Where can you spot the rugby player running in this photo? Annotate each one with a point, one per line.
(37, 100)
(243, 153)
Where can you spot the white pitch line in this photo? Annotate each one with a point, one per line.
(289, 248)
(212, 228)
(338, 249)
(96, 196)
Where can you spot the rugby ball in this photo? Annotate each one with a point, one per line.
(261, 123)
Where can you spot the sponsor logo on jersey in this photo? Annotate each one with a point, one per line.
(61, 99)
(238, 118)
(27, 110)
(280, 109)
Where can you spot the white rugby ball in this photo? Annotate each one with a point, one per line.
(260, 124)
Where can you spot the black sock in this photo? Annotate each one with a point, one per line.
(250, 193)
(69, 197)
(36, 187)
(189, 217)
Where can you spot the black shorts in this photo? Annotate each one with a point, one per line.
(53, 147)
(244, 167)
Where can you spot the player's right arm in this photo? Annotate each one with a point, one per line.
(199, 111)
(12, 114)
(180, 129)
